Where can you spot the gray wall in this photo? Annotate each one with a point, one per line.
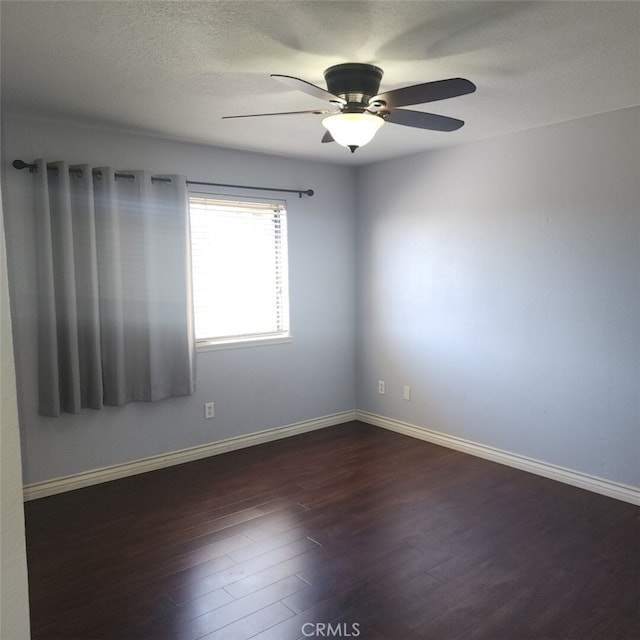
(14, 607)
(253, 388)
(501, 280)
(14, 595)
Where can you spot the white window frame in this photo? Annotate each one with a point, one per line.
(256, 339)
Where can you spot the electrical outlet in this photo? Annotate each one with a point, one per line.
(406, 392)
(208, 410)
(381, 387)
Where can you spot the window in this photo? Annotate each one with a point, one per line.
(239, 267)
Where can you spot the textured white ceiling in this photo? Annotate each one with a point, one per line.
(174, 68)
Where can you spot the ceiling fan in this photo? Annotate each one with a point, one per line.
(358, 110)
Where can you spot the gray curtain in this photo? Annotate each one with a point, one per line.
(115, 313)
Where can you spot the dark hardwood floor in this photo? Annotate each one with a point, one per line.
(372, 534)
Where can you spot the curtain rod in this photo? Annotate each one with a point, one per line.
(20, 164)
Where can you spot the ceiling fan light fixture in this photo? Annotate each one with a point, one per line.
(353, 130)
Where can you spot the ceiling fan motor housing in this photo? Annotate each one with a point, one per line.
(353, 81)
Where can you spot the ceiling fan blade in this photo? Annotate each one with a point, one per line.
(327, 137)
(307, 87)
(281, 113)
(425, 92)
(423, 120)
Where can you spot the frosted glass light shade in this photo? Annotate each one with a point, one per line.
(353, 130)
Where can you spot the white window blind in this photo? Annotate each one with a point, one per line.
(239, 266)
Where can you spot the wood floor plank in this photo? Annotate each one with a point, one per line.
(239, 571)
(344, 525)
(196, 626)
(251, 625)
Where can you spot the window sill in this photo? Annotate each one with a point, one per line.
(240, 343)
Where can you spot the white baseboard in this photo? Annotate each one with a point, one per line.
(105, 474)
(602, 486)
(568, 476)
